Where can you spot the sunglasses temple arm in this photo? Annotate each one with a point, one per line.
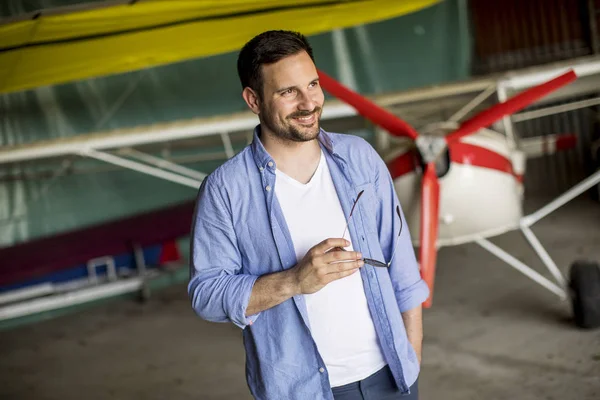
(344, 234)
(351, 213)
(398, 237)
(394, 252)
(346, 228)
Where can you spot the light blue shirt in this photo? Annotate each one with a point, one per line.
(239, 233)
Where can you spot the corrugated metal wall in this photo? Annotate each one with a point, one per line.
(514, 34)
(553, 174)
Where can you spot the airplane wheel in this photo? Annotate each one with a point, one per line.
(585, 293)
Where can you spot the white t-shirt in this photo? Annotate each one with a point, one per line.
(340, 321)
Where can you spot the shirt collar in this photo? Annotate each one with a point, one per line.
(262, 157)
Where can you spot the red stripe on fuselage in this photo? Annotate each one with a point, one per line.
(469, 154)
(461, 153)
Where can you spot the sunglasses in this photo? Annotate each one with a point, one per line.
(370, 261)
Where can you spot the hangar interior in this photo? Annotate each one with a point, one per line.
(99, 173)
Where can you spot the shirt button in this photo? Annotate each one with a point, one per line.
(261, 169)
(268, 188)
(270, 164)
(321, 370)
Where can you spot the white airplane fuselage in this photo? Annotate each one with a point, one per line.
(480, 195)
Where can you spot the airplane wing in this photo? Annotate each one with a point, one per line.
(128, 37)
(418, 105)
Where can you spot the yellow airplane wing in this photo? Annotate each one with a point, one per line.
(61, 48)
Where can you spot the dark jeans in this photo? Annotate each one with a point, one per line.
(379, 386)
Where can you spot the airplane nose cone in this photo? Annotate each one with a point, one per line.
(434, 149)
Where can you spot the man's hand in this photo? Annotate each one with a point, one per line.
(321, 266)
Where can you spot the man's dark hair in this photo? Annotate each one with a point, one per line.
(268, 48)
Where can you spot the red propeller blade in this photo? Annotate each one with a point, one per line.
(512, 105)
(430, 198)
(367, 108)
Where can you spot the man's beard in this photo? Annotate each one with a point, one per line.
(291, 132)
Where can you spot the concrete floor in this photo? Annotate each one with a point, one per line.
(492, 334)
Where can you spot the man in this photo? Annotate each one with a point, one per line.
(283, 243)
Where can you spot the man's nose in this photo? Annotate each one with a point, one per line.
(306, 102)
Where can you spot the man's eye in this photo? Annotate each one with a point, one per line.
(313, 84)
(289, 91)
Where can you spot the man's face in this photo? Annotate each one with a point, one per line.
(292, 99)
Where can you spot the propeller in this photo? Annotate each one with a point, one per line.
(431, 148)
(430, 201)
(511, 106)
(367, 108)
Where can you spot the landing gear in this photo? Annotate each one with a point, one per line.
(144, 293)
(596, 162)
(584, 287)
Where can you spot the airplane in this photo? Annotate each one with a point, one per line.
(434, 171)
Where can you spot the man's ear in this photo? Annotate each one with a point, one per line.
(252, 100)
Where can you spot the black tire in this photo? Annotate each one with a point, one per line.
(584, 286)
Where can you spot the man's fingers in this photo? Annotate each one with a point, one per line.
(327, 244)
(341, 256)
(344, 267)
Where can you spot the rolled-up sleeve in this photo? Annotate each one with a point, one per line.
(410, 289)
(217, 289)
